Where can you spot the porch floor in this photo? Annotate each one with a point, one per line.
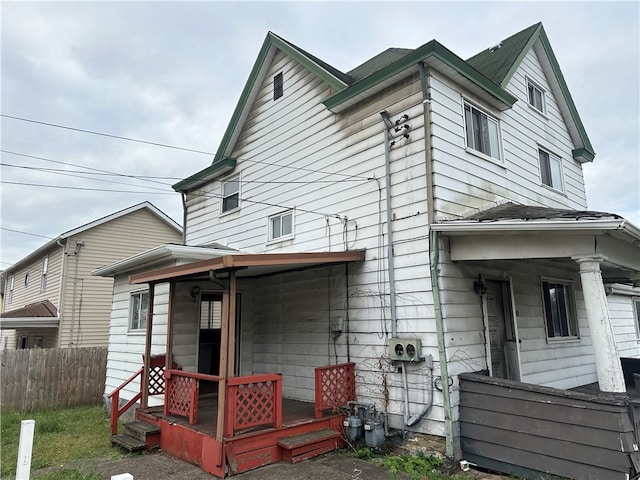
(294, 412)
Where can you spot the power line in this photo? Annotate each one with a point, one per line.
(25, 233)
(65, 187)
(164, 145)
(157, 144)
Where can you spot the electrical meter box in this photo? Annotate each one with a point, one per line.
(405, 350)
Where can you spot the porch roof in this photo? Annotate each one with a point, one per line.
(248, 265)
(510, 231)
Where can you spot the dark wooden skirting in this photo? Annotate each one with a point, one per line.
(533, 431)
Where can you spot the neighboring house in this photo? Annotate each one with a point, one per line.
(50, 298)
(420, 217)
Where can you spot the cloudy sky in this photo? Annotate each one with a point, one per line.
(171, 73)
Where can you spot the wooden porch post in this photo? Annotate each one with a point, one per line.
(231, 355)
(169, 350)
(222, 383)
(608, 366)
(144, 401)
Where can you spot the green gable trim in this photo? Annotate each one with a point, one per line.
(270, 41)
(217, 169)
(431, 49)
(586, 143)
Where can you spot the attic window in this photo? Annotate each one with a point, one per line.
(535, 95)
(278, 89)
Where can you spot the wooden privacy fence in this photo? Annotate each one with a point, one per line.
(35, 379)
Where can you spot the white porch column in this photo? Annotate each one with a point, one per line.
(608, 367)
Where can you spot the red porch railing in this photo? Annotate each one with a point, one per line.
(335, 386)
(156, 387)
(182, 389)
(253, 401)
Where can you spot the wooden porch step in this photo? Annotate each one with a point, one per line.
(129, 443)
(307, 445)
(141, 430)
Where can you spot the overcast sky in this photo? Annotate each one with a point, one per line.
(172, 72)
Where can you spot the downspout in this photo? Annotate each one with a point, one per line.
(434, 258)
(390, 265)
(183, 196)
(76, 253)
(60, 289)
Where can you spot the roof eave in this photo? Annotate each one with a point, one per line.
(433, 54)
(217, 169)
(30, 322)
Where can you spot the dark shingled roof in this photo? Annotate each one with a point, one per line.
(511, 211)
(378, 62)
(38, 309)
(333, 71)
(496, 64)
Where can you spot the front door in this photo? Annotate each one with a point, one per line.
(209, 341)
(500, 325)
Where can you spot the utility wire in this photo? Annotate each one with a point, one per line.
(25, 233)
(164, 145)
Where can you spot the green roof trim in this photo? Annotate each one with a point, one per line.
(319, 68)
(435, 49)
(217, 169)
(583, 155)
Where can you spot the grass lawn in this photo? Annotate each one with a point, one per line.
(60, 436)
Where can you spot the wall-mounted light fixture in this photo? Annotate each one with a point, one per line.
(479, 287)
(195, 291)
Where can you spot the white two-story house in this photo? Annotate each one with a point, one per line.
(421, 216)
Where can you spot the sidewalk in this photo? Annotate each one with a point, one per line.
(339, 465)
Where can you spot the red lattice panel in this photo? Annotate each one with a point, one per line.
(180, 394)
(335, 386)
(254, 405)
(156, 380)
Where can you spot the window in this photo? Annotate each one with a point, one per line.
(10, 289)
(278, 86)
(43, 278)
(536, 96)
(231, 194)
(211, 311)
(26, 279)
(38, 342)
(281, 225)
(482, 132)
(550, 170)
(138, 311)
(559, 310)
(21, 344)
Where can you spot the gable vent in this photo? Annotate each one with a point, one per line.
(277, 86)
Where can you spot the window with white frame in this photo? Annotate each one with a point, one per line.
(550, 170)
(559, 309)
(231, 194)
(43, 278)
(535, 95)
(482, 131)
(281, 225)
(138, 310)
(26, 279)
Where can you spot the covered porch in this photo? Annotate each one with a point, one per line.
(225, 410)
(550, 396)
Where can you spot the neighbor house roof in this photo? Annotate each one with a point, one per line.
(35, 315)
(108, 218)
(485, 75)
(37, 309)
